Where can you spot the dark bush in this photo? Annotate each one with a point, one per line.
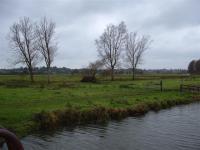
(197, 65)
(194, 67)
(89, 79)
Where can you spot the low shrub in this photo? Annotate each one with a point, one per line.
(89, 79)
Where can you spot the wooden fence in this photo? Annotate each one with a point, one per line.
(190, 88)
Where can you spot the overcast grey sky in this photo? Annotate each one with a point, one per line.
(174, 26)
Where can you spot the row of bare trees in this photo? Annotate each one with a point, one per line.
(32, 42)
(116, 40)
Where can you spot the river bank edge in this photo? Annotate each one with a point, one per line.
(45, 121)
(52, 120)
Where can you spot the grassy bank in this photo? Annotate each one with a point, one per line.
(72, 116)
(66, 100)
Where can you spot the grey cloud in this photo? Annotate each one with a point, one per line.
(173, 26)
(181, 14)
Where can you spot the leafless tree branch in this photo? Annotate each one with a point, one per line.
(110, 45)
(22, 39)
(135, 48)
(45, 32)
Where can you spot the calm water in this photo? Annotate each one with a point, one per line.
(173, 129)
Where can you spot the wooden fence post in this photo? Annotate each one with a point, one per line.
(161, 85)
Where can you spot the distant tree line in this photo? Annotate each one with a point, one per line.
(194, 67)
(64, 70)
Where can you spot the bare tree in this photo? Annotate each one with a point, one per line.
(45, 32)
(94, 66)
(110, 45)
(22, 40)
(135, 48)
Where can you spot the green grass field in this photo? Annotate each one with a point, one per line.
(19, 99)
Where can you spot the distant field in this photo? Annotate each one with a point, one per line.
(19, 99)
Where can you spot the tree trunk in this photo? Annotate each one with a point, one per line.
(112, 74)
(31, 74)
(48, 74)
(133, 73)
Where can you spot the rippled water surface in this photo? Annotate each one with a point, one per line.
(172, 129)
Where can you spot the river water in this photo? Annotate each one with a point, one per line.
(177, 128)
